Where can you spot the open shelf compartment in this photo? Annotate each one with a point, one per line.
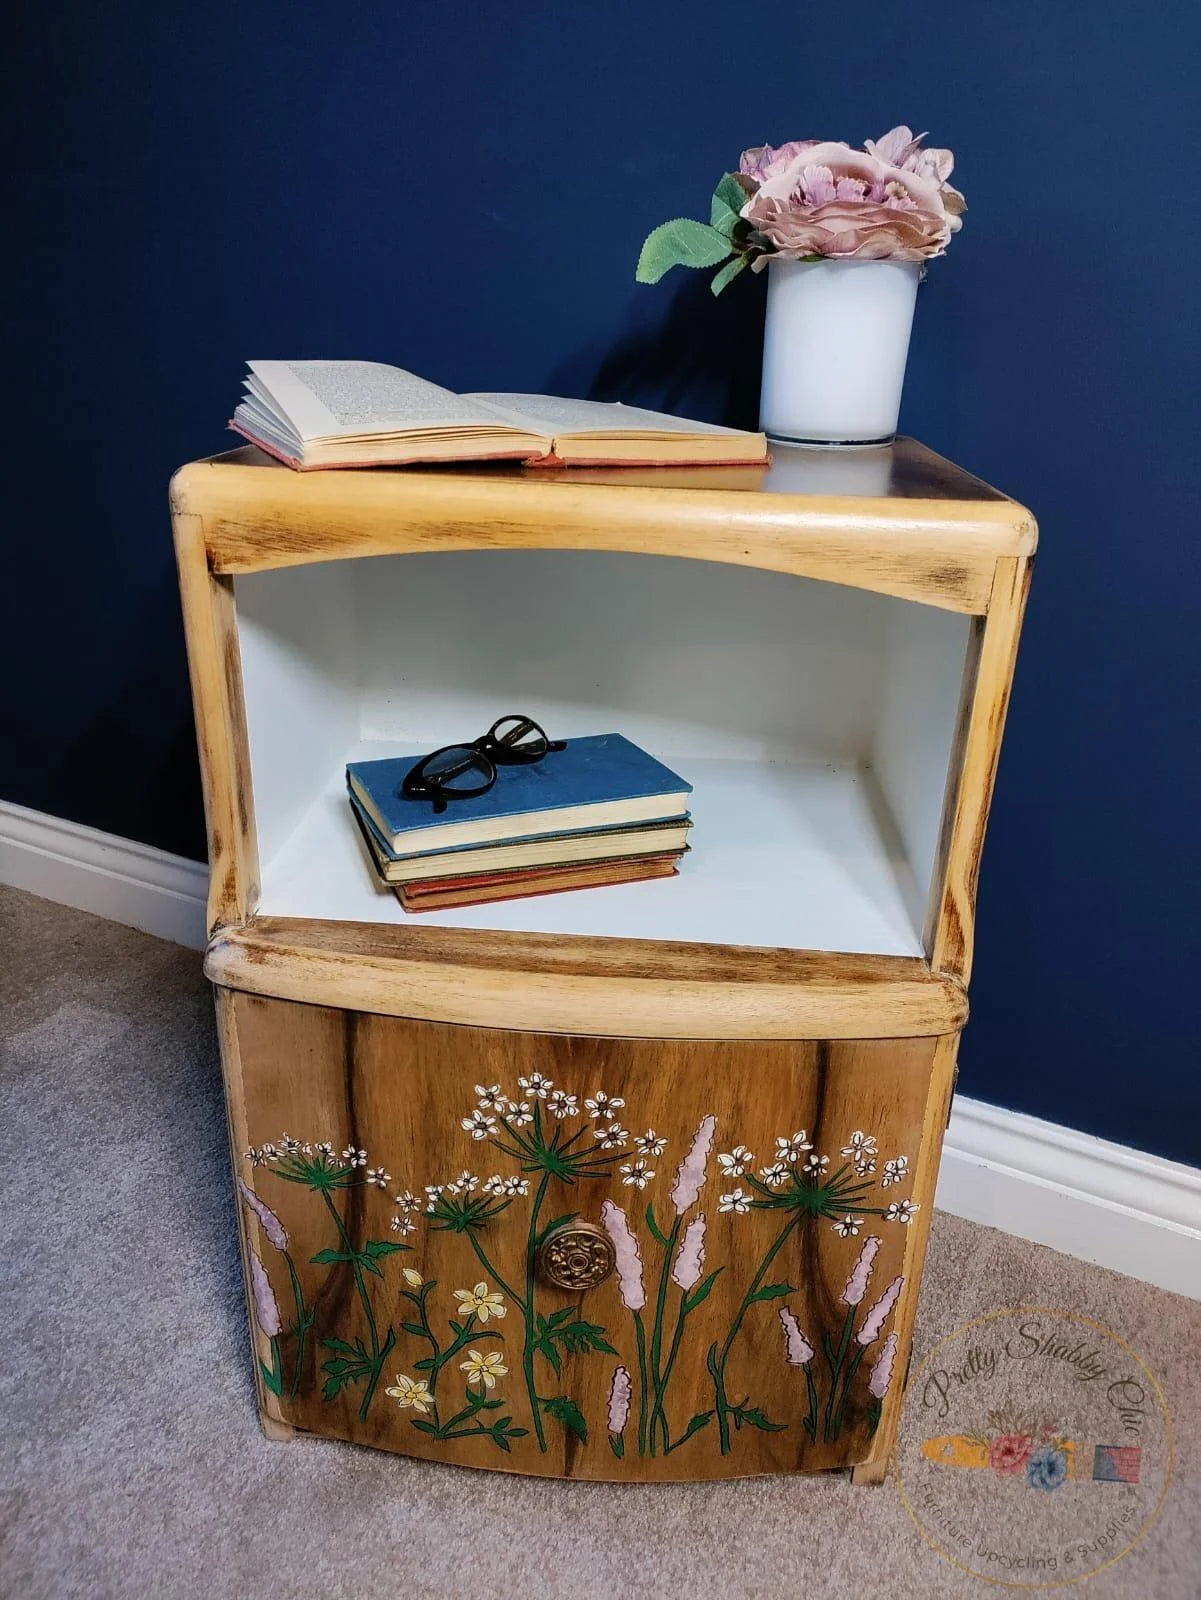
(816, 723)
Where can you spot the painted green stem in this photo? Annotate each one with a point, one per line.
(303, 1323)
(718, 1367)
(836, 1371)
(640, 1334)
(846, 1389)
(527, 1355)
(657, 1332)
(377, 1353)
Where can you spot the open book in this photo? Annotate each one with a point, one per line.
(366, 414)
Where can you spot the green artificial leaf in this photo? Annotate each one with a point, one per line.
(569, 1414)
(724, 209)
(617, 1444)
(754, 1418)
(273, 1380)
(383, 1247)
(728, 273)
(694, 1299)
(773, 1291)
(325, 1258)
(680, 243)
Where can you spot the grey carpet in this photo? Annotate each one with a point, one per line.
(133, 1464)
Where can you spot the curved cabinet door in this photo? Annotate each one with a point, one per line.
(580, 1257)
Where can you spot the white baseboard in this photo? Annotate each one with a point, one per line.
(1120, 1208)
(98, 872)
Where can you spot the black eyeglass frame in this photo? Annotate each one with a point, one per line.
(499, 747)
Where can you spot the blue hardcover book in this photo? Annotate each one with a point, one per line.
(602, 781)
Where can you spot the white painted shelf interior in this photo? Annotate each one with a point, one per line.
(814, 721)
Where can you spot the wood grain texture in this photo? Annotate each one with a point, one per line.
(932, 549)
(951, 933)
(399, 1092)
(642, 988)
(214, 665)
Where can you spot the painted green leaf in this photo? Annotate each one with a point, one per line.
(702, 1293)
(754, 1418)
(423, 1427)
(415, 1329)
(556, 1222)
(325, 1258)
(273, 1380)
(654, 1226)
(701, 1420)
(551, 1354)
(728, 273)
(680, 243)
(346, 1349)
(569, 1414)
(773, 1291)
(617, 1444)
(375, 1248)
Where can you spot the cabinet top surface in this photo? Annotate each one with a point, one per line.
(896, 517)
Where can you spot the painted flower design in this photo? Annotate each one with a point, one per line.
(690, 1175)
(466, 1182)
(798, 1352)
(737, 1201)
(407, 1201)
(403, 1225)
(856, 1284)
(266, 1307)
(650, 1144)
(629, 1258)
(481, 1301)
(847, 1227)
(859, 1144)
(1047, 1467)
(514, 1186)
(518, 1113)
(816, 1164)
(690, 1259)
(484, 1369)
(412, 1392)
(1008, 1453)
(774, 1175)
(352, 1157)
(873, 1323)
(412, 1277)
(561, 1104)
(881, 1374)
(894, 1171)
(735, 1163)
(272, 1227)
(790, 1150)
(902, 1211)
(490, 1099)
(619, 1401)
(378, 1178)
(603, 1105)
(536, 1086)
(611, 1135)
(479, 1125)
(637, 1173)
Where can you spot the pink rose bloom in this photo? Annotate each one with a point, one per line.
(888, 201)
(1008, 1452)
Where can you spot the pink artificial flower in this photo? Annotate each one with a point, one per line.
(619, 1400)
(272, 1226)
(798, 1352)
(266, 1307)
(878, 1315)
(856, 1284)
(881, 1374)
(690, 1258)
(888, 201)
(691, 1174)
(629, 1257)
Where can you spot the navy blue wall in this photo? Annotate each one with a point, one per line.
(463, 190)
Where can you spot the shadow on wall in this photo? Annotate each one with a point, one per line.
(696, 355)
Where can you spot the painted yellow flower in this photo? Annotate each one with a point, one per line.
(412, 1277)
(484, 1369)
(481, 1302)
(411, 1392)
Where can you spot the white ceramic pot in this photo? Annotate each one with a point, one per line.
(834, 349)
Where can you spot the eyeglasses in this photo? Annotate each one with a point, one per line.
(461, 771)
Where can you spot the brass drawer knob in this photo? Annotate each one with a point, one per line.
(576, 1255)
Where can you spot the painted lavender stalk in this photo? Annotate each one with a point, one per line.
(690, 1261)
(869, 1331)
(878, 1315)
(266, 1314)
(691, 1176)
(619, 1410)
(856, 1284)
(277, 1235)
(798, 1352)
(633, 1297)
(878, 1381)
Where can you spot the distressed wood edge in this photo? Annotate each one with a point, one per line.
(215, 673)
(250, 1235)
(951, 936)
(874, 1468)
(508, 994)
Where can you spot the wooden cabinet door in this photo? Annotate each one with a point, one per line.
(410, 1189)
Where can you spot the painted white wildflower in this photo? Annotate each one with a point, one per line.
(895, 1171)
(481, 1301)
(432, 1191)
(736, 1162)
(793, 1149)
(378, 1178)
(403, 1225)
(816, 1164)
(611, 1134)
(636, 1173)
(536, 1086)
(864, 1165)
(490, 1099)
(858, 1144)
(484, 1369)
(650, 1144)
(519, 1113)
(494, 1185)
(603, 1105)
(467, 1182)
(353, 1157)
(774, 1175)
(288, 1145)
(902, 1211)
(737, 1201)
(255, 1157)
(848, 1227)
(411, 1392)
(515, 1186)
(269, 1152)
(407, 1201)
(479, 1125)
(324, 1149)
(412, 1277)
(561, 1104)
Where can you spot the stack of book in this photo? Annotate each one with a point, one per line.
(599, 811)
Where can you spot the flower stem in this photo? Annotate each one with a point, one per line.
(657, 1330)
(377, 1355)
(718, 1366)
(846, 1389)
(640, 1332)
(836, 1371)
(528, 1314)
(302, 1324)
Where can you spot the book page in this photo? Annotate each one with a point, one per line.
(355, 399)
(546, 413)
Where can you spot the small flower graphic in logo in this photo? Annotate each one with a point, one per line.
(1009, 1453)
(1047, 1467)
